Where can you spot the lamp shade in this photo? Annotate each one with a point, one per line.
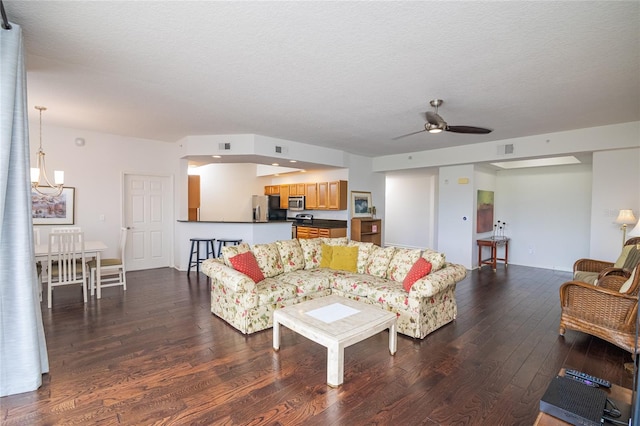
(635, 232)
(626, 217)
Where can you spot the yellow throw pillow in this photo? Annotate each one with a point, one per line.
(327, 254)
(344, 258)
(623, 256)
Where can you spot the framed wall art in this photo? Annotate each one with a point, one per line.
(360, 204)
(485, 211)
(54, 209)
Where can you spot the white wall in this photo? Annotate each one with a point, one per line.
(411, 209)
(362, 178)
(548, 211)
(96, 169)
(616, 185)
(226, 190)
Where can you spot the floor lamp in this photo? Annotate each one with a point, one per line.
(625, 217)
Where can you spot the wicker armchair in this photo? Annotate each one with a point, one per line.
(590, 270)
(601, 310)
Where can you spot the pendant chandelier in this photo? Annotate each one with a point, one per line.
(39, 180)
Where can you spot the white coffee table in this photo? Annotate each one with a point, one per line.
(335, 323)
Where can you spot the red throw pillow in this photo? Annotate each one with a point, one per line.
(419, 269)
(248, 265)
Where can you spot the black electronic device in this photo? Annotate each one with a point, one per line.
(587, 379)
(574, 402)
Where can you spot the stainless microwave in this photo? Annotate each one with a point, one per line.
(296, 203)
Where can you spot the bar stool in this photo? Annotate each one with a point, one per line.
(225, 241)
(195, 248)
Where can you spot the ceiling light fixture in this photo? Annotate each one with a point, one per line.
(434, 129)
(38, 173)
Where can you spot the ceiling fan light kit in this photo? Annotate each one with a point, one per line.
(436, 124)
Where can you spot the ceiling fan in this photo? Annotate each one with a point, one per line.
(436, 124)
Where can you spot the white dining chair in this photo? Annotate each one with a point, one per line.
(66, 262)
(112, 271)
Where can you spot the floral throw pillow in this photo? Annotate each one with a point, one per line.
(229, 251)
(379, 261)
(291, 255)
(364, 250)
(436, 259)
(268, 258)
(311, 251)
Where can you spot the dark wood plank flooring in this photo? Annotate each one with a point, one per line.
(156, 355)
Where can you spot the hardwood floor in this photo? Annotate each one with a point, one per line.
(156, 355)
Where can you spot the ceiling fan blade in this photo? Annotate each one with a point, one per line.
(468, 129)
(408, 134)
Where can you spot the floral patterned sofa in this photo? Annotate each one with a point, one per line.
(294, 271)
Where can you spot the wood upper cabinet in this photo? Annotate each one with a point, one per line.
(296, 189)
(337, 195)
(323, 195)
(272, 190)
(193, 194)
(319, 196)
(311, 196)
(284, 196)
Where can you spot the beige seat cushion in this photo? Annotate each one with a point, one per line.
(586, 277)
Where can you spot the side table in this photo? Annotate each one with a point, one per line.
(493, 244)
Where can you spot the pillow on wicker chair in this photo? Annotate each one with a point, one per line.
(627, 284)
(586, 277)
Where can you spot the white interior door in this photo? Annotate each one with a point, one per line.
(148, 217)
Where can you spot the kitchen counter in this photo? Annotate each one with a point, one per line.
(320, 223)
(232, 221)
(248, 232)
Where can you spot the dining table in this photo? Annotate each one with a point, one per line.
(91, 248)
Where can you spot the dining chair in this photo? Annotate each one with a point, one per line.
(112, 271)
(66, 262)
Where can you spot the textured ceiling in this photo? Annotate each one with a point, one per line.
(345, 75)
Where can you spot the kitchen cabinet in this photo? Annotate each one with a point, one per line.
(367, 230)
(337, 195)
(311, 196)
(314, 232)
(296, 189)
(272, 190)
(323, 195)
(318, 196)
(284, 196)
(193, 195)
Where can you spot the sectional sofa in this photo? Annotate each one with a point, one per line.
(287, 272)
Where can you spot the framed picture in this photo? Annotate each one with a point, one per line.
(360, 204)
(54, 209)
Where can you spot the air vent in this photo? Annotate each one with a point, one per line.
(224, 146)
(281, 149)
(505, 149)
